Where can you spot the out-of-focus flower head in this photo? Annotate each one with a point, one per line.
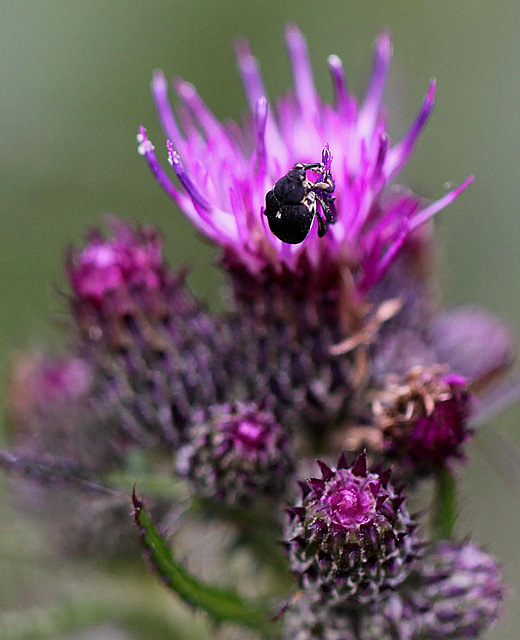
(454, 592)
(46, 400)
(225, 171)
(458, 590)
(307, 618)
(130, 259)
(151, 344)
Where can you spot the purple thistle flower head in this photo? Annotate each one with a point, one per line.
(108, 267)
(475, 343)
(235, 453)
(351, 536)
(424, 421)
(225, 171)
(152, 345)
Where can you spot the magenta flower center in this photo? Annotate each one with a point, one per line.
(348, 502)
(104, 267)
(249, 436)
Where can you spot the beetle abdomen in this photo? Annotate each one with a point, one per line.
(291, 223)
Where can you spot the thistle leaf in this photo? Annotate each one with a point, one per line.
(222, 605)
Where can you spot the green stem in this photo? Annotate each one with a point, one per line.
(444, 505)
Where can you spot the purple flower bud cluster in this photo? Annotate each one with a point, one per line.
(330, 347)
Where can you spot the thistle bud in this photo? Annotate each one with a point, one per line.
(235, 453)
(458, 591)
(350, 536)
(150, 342)
(424, 420)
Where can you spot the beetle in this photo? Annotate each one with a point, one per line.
(292, 204)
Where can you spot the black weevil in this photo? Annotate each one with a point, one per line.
(291, 205)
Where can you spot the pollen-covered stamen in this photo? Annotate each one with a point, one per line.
(185, 180)
(147, 150)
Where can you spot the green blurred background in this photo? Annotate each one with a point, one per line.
(74, 79)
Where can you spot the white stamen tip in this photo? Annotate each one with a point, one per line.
(334, 61)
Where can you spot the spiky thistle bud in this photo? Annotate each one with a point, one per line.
(454, 592)
(235, 453)
(457, 590)
(150, 342)
(424, 420)
(350, 536)
(306, 618)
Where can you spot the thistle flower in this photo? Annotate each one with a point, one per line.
(350, 536)
(235, 453)
(454, 591)
(150, 342)
(424, 421)
(225, 172)
(293, 303)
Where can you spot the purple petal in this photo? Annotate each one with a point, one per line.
(401, 152)
(185, 180)
(163, 107)
(376, 89)
(302, 72)
(194, 102)
(434, 208)
(250, 73)
(339, 81)
(261, 122)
